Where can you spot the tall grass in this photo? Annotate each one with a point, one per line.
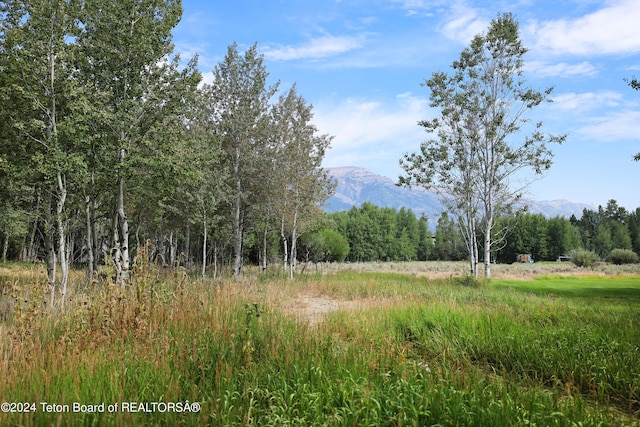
(413, 351)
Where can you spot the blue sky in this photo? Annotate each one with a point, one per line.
(361, 62)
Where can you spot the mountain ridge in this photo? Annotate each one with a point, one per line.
(356, 185)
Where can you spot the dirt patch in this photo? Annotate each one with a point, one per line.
(314, 308)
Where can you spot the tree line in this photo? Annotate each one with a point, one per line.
(600, 231)
(371, 233)
(108, 141)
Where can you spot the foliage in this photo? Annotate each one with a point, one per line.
(623, 256)
(584, 258)
(607, 228)
(298, 178)
(325, 245)
(384, 234)
(448, 245)
(544, 238)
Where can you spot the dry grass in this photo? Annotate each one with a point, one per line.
(246, 346)
(447, 269)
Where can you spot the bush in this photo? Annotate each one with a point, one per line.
(623, 256)
(325, 245)
(583, 258)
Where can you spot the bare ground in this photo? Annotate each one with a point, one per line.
(313, 308)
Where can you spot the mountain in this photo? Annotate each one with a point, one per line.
(357, 185)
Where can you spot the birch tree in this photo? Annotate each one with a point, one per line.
(239, 104)
(484, 137)
(124, 45)
(36, 40)
(302, 183)
(203, 191)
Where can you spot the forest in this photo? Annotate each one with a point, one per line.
(111, 142)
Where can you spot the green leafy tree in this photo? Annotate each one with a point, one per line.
(633, 223)
(448, 242)
(623, 256)
(325, 245)
(45, 89)
(239, 104)
(563, 237)
(301, 184)
(532, 230)
(606, 229)
(385, 223)
(584, 258)
(588, 226)
(407, 235)
(125, 47)
(482, 114)
(425, 240)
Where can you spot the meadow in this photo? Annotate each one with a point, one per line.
(360, 344)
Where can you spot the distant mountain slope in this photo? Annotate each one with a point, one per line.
(357, 185)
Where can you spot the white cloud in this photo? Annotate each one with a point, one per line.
(561, 69)
(586, 101)
(614, 127)
(419, 7)
(610, 30)
(317, 48)
(464, 23)
(372, 134)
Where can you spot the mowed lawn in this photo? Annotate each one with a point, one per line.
(341, 348)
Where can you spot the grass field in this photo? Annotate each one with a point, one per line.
(380, 344)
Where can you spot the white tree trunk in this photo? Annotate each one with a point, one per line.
(88, 236)
(51, 265)
(173, 247)
(285, 255)
(5, 247)
(294, 238)
(487, 249)
(123, 243)
(264, 246)
(237, 218)
(187, 246)
(31, 253)
(204, 245)
(62, 240)
(473, 247)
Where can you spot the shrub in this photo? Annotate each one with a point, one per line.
(623, 256)
(584, 258)
(325, 245)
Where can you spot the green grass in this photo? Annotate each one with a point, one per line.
(413, 351)
(593, 288)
